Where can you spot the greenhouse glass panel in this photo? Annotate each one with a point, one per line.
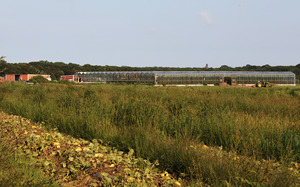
(187, 77)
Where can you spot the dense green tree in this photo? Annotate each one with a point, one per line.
(225, 68)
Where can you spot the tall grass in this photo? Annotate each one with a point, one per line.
(164, 123)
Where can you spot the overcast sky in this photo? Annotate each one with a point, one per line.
(174, 33)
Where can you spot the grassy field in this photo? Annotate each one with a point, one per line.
(206, 135)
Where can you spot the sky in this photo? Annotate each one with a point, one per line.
(143, 33)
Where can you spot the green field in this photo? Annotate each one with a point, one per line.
(204, 135)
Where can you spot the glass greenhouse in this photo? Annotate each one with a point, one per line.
(190, 78)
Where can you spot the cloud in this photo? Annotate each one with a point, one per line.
(206, 18)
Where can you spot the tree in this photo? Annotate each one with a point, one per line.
(3, 67)
(2, 58)
(225, 68)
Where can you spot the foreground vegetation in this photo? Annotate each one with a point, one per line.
(68, 161)
(238, 136)
(15, 168)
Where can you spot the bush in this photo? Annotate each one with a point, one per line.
(38, 79)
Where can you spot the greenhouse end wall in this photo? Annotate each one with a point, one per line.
(190, 78)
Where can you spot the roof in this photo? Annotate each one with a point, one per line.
(220, 73)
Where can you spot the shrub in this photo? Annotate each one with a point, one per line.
(38, 79)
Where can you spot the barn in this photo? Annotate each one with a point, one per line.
(23, 77)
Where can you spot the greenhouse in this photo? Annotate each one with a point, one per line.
(188, 78)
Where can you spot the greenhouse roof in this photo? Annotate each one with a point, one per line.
(225, 73)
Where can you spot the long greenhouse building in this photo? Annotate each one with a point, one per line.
(188, 78)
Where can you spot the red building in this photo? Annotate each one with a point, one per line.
(67, 77)
(11, 77)
(23, 77)
(2, 79)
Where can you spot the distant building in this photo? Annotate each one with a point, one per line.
(189, 78)
(67, 77)
(206, 66)
(2, 79)
(23, 77)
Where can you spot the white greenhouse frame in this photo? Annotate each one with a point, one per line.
(189, 78)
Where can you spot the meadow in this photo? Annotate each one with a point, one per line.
(204, 135)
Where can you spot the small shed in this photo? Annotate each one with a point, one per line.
(67, 77)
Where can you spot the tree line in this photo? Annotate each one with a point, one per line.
(56, 69)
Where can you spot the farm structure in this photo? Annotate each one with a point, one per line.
(23, 77)
(2, 79)
(189, 78)
(67, 77)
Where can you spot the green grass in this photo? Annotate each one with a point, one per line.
(166, 123)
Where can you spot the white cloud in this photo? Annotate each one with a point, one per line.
(206, 18)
